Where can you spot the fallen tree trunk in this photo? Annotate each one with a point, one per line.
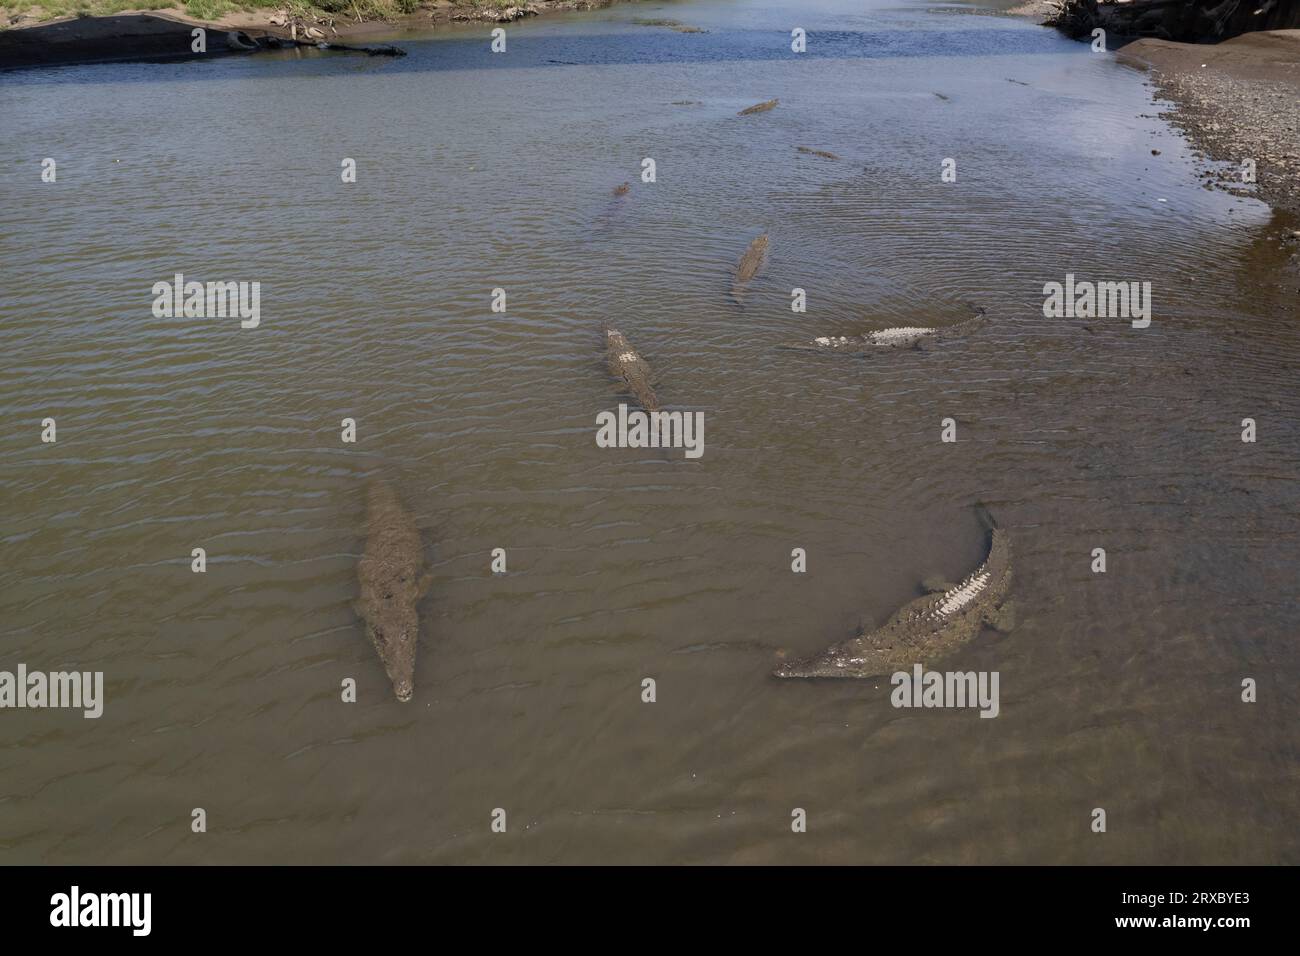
(1185, 21)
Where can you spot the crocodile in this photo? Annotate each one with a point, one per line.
(626, 364)
(816, 152)
(927, 628)
(885, 339)
(748, 267)
(391, 585)
(762, 107)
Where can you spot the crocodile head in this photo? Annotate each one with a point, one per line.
(395, 639)
(806, 668)
(836, 661)
(404, 688)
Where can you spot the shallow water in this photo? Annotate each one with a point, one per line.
(478, 170)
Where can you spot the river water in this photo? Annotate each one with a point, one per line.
(476, 170)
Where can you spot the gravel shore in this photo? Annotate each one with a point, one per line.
(1236, 101)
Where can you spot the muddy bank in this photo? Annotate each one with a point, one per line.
(166, 34)
(153, 37)
(1236, 101)
(96, 39)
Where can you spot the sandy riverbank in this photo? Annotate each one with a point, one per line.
(1236, 101)
(1039, 10)
(166, 34)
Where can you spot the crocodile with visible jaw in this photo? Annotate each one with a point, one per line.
(926, 629)
(626, 364)
(885, 339)
(391, 585)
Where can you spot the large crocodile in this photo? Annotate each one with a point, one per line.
(926, 629)
(885, 339)
(626, 364)
(391, 585)
(748, 267)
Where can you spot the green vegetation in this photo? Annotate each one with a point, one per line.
(210, 9)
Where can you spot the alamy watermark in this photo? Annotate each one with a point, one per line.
(76, 908)
(638, 429)
(37, 689)
(208, 300)
(1107, 300)
(923, 688)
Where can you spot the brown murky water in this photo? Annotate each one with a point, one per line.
(478, 171)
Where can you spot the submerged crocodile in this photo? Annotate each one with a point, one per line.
(317, 39)
(816, 152)
(748, 267)
(762, 107)
(926, 629)
(894, 338)
(626, 364)
(391, 585)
